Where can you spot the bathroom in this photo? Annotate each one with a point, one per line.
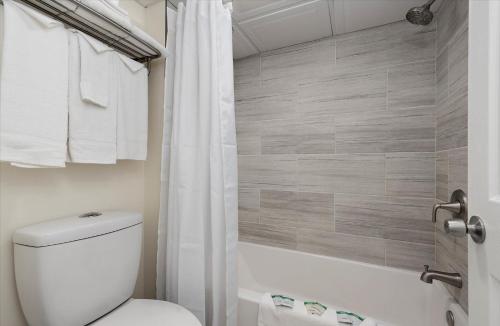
(264, 163)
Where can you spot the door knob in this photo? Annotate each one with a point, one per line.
(457, 206)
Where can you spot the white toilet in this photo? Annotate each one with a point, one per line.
(81, 270)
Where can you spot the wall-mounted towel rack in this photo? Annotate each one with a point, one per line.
(80, 16)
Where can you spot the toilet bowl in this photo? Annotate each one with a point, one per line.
(81, 270)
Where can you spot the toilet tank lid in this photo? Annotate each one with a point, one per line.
(75, 228)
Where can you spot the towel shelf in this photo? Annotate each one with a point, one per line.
(77, 15)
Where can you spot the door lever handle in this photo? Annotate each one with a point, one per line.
(457, 206)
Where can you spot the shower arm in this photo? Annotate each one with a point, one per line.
(429, 4)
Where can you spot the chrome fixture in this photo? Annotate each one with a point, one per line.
(421, 15)
(457, 206)
(475, 228)
(458, 226)
(453, 279)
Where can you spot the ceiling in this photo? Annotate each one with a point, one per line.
(263, 25)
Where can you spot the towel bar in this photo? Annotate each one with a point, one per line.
(78, 15)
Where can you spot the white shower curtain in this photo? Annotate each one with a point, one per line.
(197, 262)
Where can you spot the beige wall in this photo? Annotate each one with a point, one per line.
(29, 196)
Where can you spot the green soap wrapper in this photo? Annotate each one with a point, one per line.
(315, 308)
(282, 301)
(349, 318)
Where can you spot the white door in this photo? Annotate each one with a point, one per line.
(484, 160)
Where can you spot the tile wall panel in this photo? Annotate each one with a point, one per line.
(336, 143)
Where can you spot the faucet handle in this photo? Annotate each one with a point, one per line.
(457, 206)
(426, 268)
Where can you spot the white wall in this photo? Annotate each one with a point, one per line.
(29, 196)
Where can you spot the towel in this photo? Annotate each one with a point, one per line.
(34, 88)
(132, 121)
(95, 70)
(270, 315)
(110, 10)
(92, 128)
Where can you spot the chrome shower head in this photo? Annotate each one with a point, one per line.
(420, 15)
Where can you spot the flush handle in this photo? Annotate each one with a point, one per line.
(457, 206)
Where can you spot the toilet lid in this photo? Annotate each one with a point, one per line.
(148, 313)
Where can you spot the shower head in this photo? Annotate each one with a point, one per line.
(421, 15)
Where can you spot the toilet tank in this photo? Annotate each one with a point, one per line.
(73, 270)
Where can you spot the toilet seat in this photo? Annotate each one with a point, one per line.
(140, 312)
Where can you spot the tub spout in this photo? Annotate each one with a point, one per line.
(454, 279)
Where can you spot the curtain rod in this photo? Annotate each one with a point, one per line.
(97, 25)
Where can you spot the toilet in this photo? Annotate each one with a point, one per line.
(81, 270)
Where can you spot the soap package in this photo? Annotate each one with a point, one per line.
(349, 318)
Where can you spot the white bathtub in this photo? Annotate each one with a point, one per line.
(395, 297)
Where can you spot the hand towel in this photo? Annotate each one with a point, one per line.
(34, 88)
(270, 315)
(132, 121)
(95, 66)
(92, 128)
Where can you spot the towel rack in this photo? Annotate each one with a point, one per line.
(77, 15)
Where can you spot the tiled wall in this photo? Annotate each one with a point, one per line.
(337, 143)
(451, 141)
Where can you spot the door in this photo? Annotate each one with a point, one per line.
(484, 160)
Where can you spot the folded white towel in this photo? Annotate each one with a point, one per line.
(92, 128)
(270, 315)
(34, 88)
(95, 70)
(132, 122)
(110, 10)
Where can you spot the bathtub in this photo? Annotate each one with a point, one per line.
(392, 296)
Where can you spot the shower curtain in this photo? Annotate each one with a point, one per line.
(197, 244)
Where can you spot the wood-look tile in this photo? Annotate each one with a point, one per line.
(442, 176)
(385, 49)
(266, 104)
(457, 177)
(326, 96)
(411, 174)
(411, 85)
(362, 173)
(409, 255)
(442, 76)
(248, 137)
(452, 123)
(451, 15)
(405, 219)
(271, 235)
(298, 136)
(370, 250)
(277, 207)
(386, 131)
(248, 205)
(268, 171)
(297, 209)
(316, 135)
(247, 70)
(299, 61)
(280, 136)
(458, 62)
